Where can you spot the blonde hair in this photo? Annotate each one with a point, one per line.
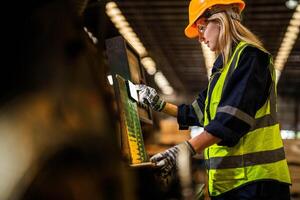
(232, 31)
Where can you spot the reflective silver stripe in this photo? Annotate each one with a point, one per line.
(238, 114)
(250, 159)
(198, 112)
(265, 121)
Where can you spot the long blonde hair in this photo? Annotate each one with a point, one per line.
(232, 31)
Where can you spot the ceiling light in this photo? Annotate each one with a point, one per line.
(110, 79)
(163, 83)
(160, 79)
(91, 36)
(295, 22)
(291, 4)
(168, 90)
(149, 65)
(131, 37)
(278, 73)
(123, 26)
(288, 41)
(114, 11)
(110, 5)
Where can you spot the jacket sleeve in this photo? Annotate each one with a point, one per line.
(247, 90)
(192, 115)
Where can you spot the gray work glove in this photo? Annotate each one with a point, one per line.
(167, 160)
(149, 96)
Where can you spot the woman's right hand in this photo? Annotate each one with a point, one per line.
(149, 96)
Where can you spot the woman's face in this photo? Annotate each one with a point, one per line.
(209, 31)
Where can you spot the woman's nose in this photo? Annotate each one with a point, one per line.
(201, 38)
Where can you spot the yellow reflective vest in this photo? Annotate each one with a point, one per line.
(259, 154)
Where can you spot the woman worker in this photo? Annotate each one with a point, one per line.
(241, 140)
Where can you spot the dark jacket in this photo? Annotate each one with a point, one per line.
(247, 89)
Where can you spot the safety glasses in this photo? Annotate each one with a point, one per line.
(201, 25)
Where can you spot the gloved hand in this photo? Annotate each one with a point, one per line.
(149, 96)
(167, 160)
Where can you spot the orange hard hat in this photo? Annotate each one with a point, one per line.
(198, 7)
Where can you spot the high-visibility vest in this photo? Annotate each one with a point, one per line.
(259, 154)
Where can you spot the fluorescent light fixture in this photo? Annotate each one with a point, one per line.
(288, 41)
(168, 90)
(149, 65)
(110, 79)
(209, 58)
(111, 5)
(124, 28)
(94, 39)
(128, 33)
(291, 4)
(278, 73)
(114, 12)
(163, 83)
(295, 22)
(160, 79)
